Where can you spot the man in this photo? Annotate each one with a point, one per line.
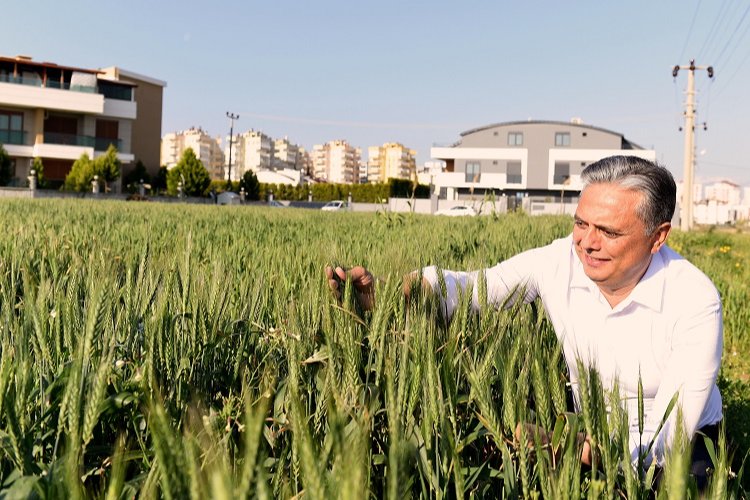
(619, 299)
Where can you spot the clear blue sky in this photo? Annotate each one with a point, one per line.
(418, 72)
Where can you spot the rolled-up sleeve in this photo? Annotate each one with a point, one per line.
(519, 274)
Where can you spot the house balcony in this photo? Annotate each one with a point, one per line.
(62, 96)
(61, 146)
(26, 95)
(484, 181)
(97, 143)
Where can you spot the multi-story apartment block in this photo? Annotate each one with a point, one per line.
(251, 150)
(304, 162)
(390, 161)
(57, 113)
(206, 148)
(285, 154)
(536, 158)
(336, 161)
(726, 192)
(721, 204)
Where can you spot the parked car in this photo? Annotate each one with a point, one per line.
(276, 204)
(333, 206)
(457, 211)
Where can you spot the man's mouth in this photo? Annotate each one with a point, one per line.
(592, 261)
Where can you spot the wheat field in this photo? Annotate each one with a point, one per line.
(180, 351)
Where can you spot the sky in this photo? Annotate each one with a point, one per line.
(419, 72)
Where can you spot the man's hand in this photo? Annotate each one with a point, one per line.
(545, 439)
(362, 281)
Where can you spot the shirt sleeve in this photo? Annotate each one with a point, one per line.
(517, 275)
(691, 372)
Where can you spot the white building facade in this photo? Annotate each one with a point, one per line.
(722, 203)
(526, 158)
(336, 161)
(206, 148)
(251, 150)
(392, 160)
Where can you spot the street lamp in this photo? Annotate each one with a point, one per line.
(232, 117)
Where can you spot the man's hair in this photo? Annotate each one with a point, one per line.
(653, 181)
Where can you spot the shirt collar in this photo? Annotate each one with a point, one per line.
(648, 292)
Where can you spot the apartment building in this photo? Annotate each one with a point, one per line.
(285, 154)
(390, 161)
(58, 113)
(721, 203)
(526, 158)
(724, 191)
(251, 150)
(336, 161)
(206, 148)
(304, 162)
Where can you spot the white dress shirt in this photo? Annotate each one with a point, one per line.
(668, 329)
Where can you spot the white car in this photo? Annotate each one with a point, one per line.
(333, 206)
(457, 211)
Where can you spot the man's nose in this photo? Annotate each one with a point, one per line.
(590, 240)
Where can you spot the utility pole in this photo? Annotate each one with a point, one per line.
(686, 213)
(232, 117)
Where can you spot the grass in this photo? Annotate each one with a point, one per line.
(185, 351)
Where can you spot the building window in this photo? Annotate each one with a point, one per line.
(106, 134)
(562, 139)
(11, 127)
(562, 172)
(473, 171)
(515, 138)
(513, 175)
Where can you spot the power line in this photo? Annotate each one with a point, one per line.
(690, 31)
(728, 165)
(712, 32)
(737, 43)
(729, 40)
(726, 82)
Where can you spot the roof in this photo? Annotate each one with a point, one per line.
(548, 122)
(27, 61)
(124, 73)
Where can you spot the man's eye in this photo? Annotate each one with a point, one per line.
(580, 223)
(610, 234)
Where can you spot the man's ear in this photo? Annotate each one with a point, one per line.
(660, 236)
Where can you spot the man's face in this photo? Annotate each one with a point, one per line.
(610, 239)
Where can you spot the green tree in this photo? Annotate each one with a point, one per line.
(191, 172)
(135, 176)
(5, 167)
(107, 166)
(81, 174)
(38, 167)
(251, 185)
(160, 181)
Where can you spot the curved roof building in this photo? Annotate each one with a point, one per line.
(537, 158)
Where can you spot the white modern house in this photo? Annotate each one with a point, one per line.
(526, 158)
(58, 113)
